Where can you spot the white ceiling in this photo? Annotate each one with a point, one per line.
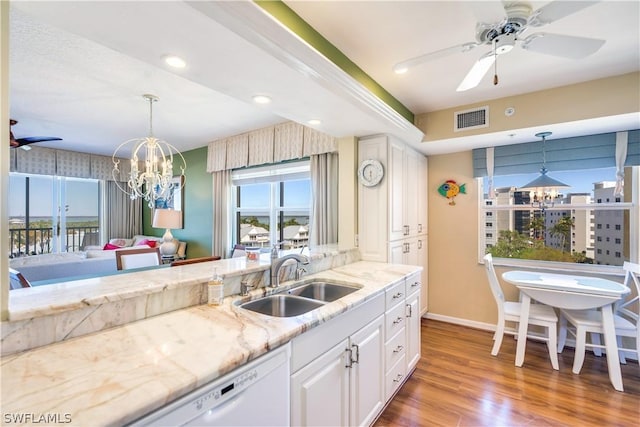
(78, 69)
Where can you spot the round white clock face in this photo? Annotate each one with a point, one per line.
(370, 172)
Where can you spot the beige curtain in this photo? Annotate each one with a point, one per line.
(324, 195)
(221, 225)
(124, 216)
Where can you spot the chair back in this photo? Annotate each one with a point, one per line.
(137, 258)
(496, 290)
(630, 307)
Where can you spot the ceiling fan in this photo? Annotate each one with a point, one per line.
(504, 32)
(23, 142)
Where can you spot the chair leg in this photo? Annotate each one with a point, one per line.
(623, 359)
(595, 339)
(497, 338)
(578, 359)
(553, 346)
(562, 335)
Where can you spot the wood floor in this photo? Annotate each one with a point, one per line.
(458, 383)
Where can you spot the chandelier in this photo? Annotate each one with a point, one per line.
(543, 191)
(151, 176)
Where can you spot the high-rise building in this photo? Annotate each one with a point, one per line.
(608, 226)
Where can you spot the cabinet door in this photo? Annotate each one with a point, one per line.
(412, 329)
(397, 229)
(411, 188)
(320, 390)
(367, 376)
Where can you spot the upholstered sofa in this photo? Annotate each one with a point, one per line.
(94, 260)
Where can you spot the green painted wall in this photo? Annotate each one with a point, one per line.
(198, 207)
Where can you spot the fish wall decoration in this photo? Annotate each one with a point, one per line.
(450, 189)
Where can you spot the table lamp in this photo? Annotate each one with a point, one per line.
(167, 218)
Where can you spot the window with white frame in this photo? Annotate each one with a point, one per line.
(586, 223)
(272, 204)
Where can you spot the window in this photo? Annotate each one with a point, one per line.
(272, 204)
(52, 213)
(575, 229)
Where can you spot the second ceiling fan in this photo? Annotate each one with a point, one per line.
(505, 31)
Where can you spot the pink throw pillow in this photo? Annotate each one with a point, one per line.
(150, 243)
(109, 247)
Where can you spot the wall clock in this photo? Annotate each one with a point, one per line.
(370, 172)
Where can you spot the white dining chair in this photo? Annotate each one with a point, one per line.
(625, 317)
(137, 258)
(509, 311)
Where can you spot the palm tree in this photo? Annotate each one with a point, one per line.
(562, 229)
(537, 227)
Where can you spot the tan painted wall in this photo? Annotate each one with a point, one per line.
(347, 196)
(597, 98)
(457, 283)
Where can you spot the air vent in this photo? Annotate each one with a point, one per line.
(471, 119)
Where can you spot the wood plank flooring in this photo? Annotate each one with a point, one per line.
(458, 383)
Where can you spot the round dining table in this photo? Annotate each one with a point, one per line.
(572, 292)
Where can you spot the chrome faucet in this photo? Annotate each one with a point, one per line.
(276, 265)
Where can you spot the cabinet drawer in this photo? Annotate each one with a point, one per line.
(394, 378)
(394, 320)
(395, 294)
(413, 284)
(394, 349)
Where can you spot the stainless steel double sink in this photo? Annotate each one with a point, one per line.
(300, 299)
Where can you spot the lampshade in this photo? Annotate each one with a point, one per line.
(152, 163)
(167, 218)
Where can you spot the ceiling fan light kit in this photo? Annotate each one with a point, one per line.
(503, 35)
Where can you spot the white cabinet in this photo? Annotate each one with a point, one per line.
(342, 387)
(412, 328)
(338, 377)
(320, 391)
(402, 332)
(392, 219)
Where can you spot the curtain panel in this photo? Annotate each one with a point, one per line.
(221, 200)
(283, 142)
(125, 215)
(324, 195)
(583, 152)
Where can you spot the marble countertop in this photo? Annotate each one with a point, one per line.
(118, 375)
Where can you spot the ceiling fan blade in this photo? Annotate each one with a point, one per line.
(557, 10)
(562, 45)
(403, 67)
(477, 72)
(34, 139)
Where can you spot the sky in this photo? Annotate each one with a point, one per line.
(82, 196)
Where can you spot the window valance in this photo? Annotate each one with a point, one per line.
(583, 152)
(50, 161)
(274, 144)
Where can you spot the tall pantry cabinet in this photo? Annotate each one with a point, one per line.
(392, 214)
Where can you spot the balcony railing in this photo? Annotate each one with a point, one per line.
(40, 240)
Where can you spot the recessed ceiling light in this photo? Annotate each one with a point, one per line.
(175, 61)
(314, 122)
(261, 99)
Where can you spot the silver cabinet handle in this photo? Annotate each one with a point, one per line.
(398, 378)
(357, 360)
(349, 358)
(398, 295)
(398, 349)
(398, 320)
(410, 310)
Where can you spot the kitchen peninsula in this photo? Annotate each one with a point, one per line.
(114, 376)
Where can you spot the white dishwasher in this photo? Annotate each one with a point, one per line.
(256, 394)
